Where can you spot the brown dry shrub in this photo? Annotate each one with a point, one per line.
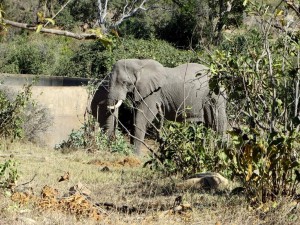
(49, 199)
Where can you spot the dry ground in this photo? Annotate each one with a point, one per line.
(122, 193)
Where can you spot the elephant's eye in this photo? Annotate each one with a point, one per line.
(126, 83)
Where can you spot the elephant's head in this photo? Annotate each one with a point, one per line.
(140, 77)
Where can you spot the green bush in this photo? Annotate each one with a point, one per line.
(88, 138)
(61, 56)
(189, 148)
(83, 11)
(8, 174)
(65, 20)
(35, 54)
(11, 113)
(88, 61)
(140, 27)
(196, 24)
(266, 164)
(155, 49)
(259, 70)
(94, 60)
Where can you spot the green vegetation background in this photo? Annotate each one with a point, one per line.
(174, 32)
(257, 65)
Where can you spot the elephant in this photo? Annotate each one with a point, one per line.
(179, 94)
(107, 118)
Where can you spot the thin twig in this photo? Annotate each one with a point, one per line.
(82, 36)
(58, 12)
(28, 181)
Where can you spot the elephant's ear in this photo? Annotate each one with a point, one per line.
(150, 77)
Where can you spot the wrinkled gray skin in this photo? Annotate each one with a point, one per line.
(107, 118)
(99, 110)
(158, 89)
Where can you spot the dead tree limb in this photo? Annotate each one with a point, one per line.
(66, 33)
(129, 11)
(102, 13)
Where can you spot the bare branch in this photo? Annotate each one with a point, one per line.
(27, 181)
(59, 11)
(102, 12)
(293, 6)
(81, 36)
(128, 12)
(271, 74)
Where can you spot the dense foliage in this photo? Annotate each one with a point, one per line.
(260, 72)
(8, 174)
(188, 148)
(257, 64)
(197, 24)
(28, 55)
(94, 60)
(259, 69)
(31, 55)
(183, 24)
(87, 137)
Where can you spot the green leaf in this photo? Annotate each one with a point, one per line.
(212, 69)
(39, 28)
(105, 41)
(50, 21)
(40, 16)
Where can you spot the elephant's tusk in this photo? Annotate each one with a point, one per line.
(119, 103)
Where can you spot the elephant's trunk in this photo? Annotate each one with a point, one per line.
(119, 103)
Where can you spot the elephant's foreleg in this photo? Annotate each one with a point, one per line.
(145, 114)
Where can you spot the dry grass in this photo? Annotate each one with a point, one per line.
(147, 195)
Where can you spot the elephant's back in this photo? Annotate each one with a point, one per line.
(187, 87)
(191, 70)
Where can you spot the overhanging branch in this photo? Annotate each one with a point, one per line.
(81, 36)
